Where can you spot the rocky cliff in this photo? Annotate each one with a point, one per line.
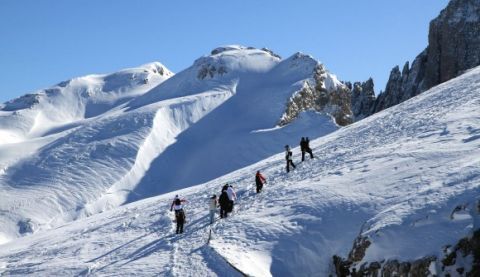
(453, 47)
(461, 259)
(362, 98)
(325, 94)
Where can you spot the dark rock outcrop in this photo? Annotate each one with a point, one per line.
(454, 42)
(210, 71)
(317, 97)
(23, 102)
(362, 98)
(453, 47)
(462, 259)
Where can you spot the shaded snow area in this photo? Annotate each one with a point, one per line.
(395, 178)
(93, 143)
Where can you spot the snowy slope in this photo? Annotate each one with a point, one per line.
(35, 119)
(43, 135)
(242, 130)
(99, 141)
(394, 178)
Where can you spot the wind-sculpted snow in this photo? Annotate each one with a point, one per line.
(93, 143)
(396, 178)
(242, 130)
(96, 164)
(70, 101)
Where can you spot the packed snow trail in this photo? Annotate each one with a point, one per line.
(395, 178)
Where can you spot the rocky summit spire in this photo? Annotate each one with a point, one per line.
(362, 98)
(454, 42)
(454, 46)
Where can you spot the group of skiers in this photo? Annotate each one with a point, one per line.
(304, 147)
(228, 195)
(226, 201)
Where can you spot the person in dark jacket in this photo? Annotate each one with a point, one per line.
(179, 215)
(303, 147)
(225, 187)
(224, 204)
(288, 158)
(307, 148)
(259, 181)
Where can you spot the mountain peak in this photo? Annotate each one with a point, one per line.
(232, 48)
(460, 11)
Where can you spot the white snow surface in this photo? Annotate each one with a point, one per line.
(395, 177)
(97, 142)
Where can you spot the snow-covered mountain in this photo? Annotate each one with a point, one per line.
(96, 142)
(396, 194)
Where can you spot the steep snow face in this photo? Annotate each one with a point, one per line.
(99, 141)
(405, 179)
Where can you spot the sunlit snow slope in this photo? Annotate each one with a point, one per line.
(394, 178)
(99, 141)
(53, 144)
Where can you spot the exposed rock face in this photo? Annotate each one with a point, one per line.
(454, 41)
(403, 85)
(454, 46)
(462, 259)
(209, 71)
(469, 246)
(362, 98)
(335, 102)
(22, 102)
(271, 52)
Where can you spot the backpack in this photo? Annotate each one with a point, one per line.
(258, 180)
(224, 198)
(178, 201)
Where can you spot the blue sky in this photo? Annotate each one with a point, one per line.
(43, 42)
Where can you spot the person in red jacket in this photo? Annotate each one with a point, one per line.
(259, 181)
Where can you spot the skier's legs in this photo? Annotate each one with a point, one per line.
(310, 152)
(181, 226)
(259, 188)
(303, 155)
